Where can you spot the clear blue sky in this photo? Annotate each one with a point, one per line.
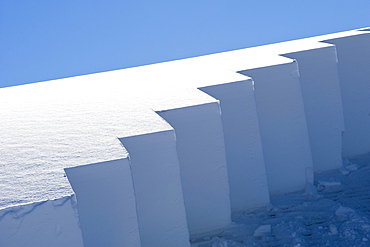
(49, 39)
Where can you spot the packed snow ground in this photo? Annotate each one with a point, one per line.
(333, 212)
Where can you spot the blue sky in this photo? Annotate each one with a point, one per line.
(48, 39)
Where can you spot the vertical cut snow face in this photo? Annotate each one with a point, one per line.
(157, 183)
(106, 203)
(323, 105)
(283, 126)
(245, 162)
(201, 153)
(354, 75)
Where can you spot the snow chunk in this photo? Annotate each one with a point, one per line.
(353, 167)
(346, 162)
(311, 189)
(262, 230)
(344, 171)
(348, 167)
(328, 184)
(333, 229)
(344, 211)
(323, 184)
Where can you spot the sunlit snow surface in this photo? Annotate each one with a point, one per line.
(45, 138)
(339, 215)
(51, 126)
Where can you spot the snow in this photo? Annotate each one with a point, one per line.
(344, 211)
(283, 127)
(43, 138)
(158, 190)
(353, 62)
(196, 144)
(106, 203)
(261, 231)
(243, 147)
(323, 105)
(84, 115)
(352, 167)
(42, 224)
(200, 148)
(339, 216)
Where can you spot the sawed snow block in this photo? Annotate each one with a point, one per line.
(159, 198)
(245, 162)
(282, 119)
(323, 105)
(354, 76)
(106, 203)
(201, 152)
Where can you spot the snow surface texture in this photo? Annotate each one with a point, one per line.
(284, 122)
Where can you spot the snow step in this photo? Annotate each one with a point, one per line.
(282, 120)
(354, 75)
(318, 77)
(106, 203)
(201, 153)
(243, 146)
(159, 197)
